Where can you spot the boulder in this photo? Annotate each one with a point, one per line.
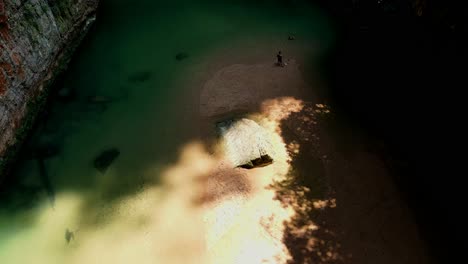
(105, 159)
(181, 56)
(246, 143)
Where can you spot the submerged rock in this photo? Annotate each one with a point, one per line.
(246, 143)
(69, 235)
(181, 56)
(105, 159)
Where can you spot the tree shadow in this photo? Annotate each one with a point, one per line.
(308, 236)
(324, 172)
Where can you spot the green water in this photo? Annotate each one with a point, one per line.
(128, 61)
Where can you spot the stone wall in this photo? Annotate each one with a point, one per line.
(36, 40)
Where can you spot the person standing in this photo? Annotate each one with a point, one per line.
(279, 58)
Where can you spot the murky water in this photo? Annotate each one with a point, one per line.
(122, 92)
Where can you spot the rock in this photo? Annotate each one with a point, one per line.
(69, 235)
(246, 143)
(264, 160)
(181, 56)
(37, 38)
(105, 159)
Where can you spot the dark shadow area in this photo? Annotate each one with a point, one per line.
(347, 207)
(45, 181)
(105, 159)
(68, 107)
(397, 73)
(309, 236)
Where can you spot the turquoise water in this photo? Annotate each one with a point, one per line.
(122, 90)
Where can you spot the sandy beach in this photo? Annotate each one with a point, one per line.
(320, 201)
(315, 203)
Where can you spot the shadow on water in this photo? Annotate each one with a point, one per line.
(45, 180)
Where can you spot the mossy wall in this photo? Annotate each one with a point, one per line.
(37, 38)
